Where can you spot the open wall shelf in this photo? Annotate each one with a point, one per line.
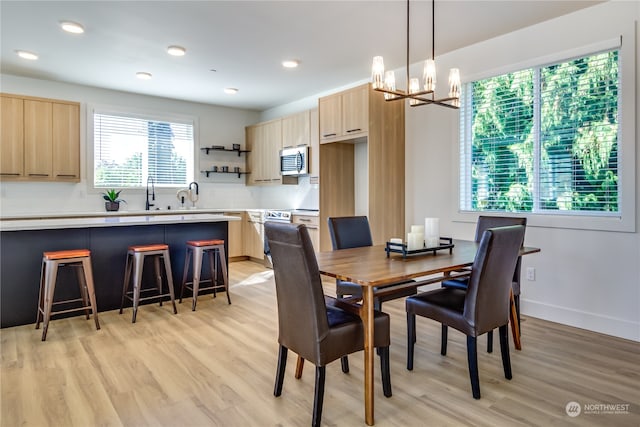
(222, 148)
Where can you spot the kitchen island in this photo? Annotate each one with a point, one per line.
(22, 242)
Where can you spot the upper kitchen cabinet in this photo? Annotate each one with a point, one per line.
(362, 173)
(344, 115)
(295, 129)
(40, 139)
(12, 138)
(264, 141)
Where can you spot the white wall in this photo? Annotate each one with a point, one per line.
(585, 278)
(217, 125)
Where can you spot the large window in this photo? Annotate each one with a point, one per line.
(128, 150)
(543, 139)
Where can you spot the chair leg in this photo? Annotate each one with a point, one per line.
(318, 396)
(41, 296)
(443, 340)
(386, 374)
(472, 356)
(185, 272)
(411, 333)
(127, 278)
(156, 269)
(504, 349)
(82, 284)
(91, 289)
(299, 368)
(223, 269)
(282, 364)
(490, 342)
(167, 272)
(516, 300)
(344, 362)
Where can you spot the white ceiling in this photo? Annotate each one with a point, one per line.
(245, 41)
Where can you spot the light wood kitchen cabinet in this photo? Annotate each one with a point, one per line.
(12, 138)
(264, 141)
(253, 233)
(66, 142)
(344, 115)
(296, 129)
(235, 235)
(330, 110)
(312, 224)
(377, 177)
(314, 152)
(47, 147)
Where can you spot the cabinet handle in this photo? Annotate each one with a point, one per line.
(38, 174)
(9, 174)
(63, 175)
(304, 220)
(326, 135)
(354, 130)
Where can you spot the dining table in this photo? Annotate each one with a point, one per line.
(372, 267)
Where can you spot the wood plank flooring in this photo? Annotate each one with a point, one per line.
(216, 367)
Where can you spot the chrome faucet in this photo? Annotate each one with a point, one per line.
(191, 196)
(153, 193)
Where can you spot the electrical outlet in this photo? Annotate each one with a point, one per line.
(531, 274)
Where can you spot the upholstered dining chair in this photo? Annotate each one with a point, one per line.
(483, 224)
(483, 306)
(317, 329)
(354, 232)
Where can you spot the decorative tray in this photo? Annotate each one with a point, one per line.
(401, 248)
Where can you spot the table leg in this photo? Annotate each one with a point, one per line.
(299, 367)
(368, 323)
(515, 326)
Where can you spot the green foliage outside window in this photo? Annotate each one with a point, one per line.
(547, 135)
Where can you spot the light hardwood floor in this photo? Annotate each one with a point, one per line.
(216, 367)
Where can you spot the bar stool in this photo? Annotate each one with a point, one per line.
(197, 249)
(79, 259)
(135, 261)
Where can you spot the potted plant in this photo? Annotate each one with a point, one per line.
(112, 203)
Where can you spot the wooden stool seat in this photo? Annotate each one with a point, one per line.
(74, 253)
(197, 249)
(51, 261)
(205, 242)
(149, 248)
(134, 266)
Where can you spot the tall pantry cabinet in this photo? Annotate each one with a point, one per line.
(362, 161)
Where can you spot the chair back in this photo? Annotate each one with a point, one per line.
(487, 301)
(486, 222)
(302, 313)
(349, 232)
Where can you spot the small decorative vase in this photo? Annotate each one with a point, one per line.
(112, 206)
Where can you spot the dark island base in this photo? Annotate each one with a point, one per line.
(21, 256)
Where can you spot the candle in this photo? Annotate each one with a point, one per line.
(417, 229)
(432, 232)
(415, 241)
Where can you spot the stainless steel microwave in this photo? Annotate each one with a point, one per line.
(294, 160)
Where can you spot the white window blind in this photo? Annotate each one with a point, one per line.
(544, 139)
(128, 150)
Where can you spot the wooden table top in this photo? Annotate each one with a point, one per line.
(369, 266)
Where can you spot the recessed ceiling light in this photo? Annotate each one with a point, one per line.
(291, 63)
(230, 90)
(72, 27)
(143, 75)
(176, 50)
(26, 55)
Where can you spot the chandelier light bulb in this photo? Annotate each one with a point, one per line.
(454, 83)
(430, 75)
(389, 84)
(377, 72)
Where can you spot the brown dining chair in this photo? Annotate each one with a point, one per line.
(354, 232)
(482, 307)
(317, 331)
(484, 223)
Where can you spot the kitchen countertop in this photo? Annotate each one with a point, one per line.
(111, 220)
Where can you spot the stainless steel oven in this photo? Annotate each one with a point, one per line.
(273, 216)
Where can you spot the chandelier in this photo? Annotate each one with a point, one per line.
(385, 82)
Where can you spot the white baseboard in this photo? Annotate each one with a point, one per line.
(581, 319)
